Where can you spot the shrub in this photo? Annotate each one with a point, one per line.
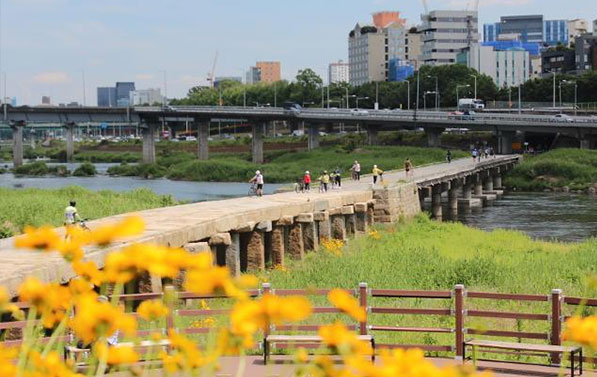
(34, 168)
(86, 169)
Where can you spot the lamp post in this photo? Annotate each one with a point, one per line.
(347, 99)
(554, 90)
(347, 104)
(475, 77)
(407, 93)
(458, 96)
(358, 98)
(436, 91)
(425, 98)
(575, 93)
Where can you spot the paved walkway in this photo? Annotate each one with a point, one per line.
(282, 366)
(179, 225)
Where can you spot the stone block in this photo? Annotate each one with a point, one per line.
(351, 225)
(285, 220)
(197, 247)
(277, 245)
(325, 229)
(256, 252)
(248, 227)
(339, 227)
(310, 240)
(360, 207)
(220, 239)
(296, 246)
(264, 226)
(321, 216)
(304, 218)
(361, 222)
(348, 210)
(233, 254)
(335, 211)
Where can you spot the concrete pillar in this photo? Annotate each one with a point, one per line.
(478, 185)
(231, 243)
(361, 217)
(296, 245)
(497, 179)
(588, 142)
(372, 135)
(256, 251)
(313, 137)
(350, 220)
(434, 137)
(489, 181)
(453, 198)
(17, 143)
(505, 139)
(257, 150)
(324, 226)
(202, 139)
(338, 227)
(310, 240)
(467, 188)
(277, 246)
(149, 143)
(436, 202)
(69, 129)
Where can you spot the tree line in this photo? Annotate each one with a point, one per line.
(308, 90)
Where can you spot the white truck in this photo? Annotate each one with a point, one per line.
(470, 103)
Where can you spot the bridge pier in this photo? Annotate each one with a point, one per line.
(203, 139)
(69, 129)
(467, 200)
(309, 230)
(434, 137)
(372, 136)
(436, 202)
(488, 181)
(362, 223)
(505, 139)
(226, 247)
(338, 224)
(588, 141)
(478, 184)
(313, 137)
(497, 179)
(149, 142)
(455, 185)
(257, 144)
(324, 226)
(277, 245)
(17, 143)
(350, 220)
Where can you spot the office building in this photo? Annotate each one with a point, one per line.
(106, 97)
(595, 27)
(586, 52)
(506, 67)
(400, 70)
(123, 90)
(529, 27)
(253, 75)
(446, 33)
(556, 32)
(338, 72)
(491, 32)
(45, 100)
(219, 80)
(269, 71)
(412, 46)
(557, 61)
(146, 97)
(577, 27)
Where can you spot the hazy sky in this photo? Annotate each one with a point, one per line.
(45, 45)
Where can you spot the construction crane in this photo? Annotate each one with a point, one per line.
(211, 77)
(425, 6)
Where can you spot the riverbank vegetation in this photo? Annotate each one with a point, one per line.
(282, 166)
(556, 170)
(427, 255)
(37, 207)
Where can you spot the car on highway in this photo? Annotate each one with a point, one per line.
(292, 107)
(468, 115)
(359, 112)
(562, 118)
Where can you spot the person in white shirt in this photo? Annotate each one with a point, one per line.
(356, 171)
(258, 180)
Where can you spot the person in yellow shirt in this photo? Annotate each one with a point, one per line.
(377, 172)
(324, 180)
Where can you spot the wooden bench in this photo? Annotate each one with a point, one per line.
(538, 348)
(306, 339)
(80, 355)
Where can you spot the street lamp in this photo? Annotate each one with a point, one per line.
(436, 91)
(407, 92)
(458, 96)
(575, 93)
(358, 98)
(475, 77)
(425, 98)
(347, 99)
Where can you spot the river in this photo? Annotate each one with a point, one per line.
(546, 216)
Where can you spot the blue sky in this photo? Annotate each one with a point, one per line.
(47, 44)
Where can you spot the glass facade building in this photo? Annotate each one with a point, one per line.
(555, 31)
(106, 97)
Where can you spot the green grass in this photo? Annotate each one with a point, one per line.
(39, 206)
(425, 255)
(574, 168)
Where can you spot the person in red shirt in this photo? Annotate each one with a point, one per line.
(307, 181)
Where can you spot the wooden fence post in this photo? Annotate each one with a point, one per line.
(266, 289)
(556, 322)
(459, 319)
(363, 303)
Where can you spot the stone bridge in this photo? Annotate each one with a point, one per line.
(248, 234)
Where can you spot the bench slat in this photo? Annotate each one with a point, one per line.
(305, 338)
(521, 346)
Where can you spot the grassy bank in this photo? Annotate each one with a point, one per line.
(574, 169)
(427, 255)
(282, 166)
(38, 206)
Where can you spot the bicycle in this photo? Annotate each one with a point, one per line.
(252, 190)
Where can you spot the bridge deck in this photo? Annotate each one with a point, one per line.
(179, 225)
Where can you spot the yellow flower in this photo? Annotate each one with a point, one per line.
(89, 271)
(212, 280)
(185, 355)
(50, 365)
(348, 304)
(33, 291)
(71, 251)
(152, 310)
(337, 336)
(582, 330)
(116, 355)
(7, 357)
(43, 239)
(333, 246)
(248, 281)
(374, 234)
(302, 356)
(130, 226)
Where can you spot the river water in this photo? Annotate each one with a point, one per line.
(547, 216)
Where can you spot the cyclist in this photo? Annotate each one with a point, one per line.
(356, 171)
(71, 216)
(258, 180)
(307, 181)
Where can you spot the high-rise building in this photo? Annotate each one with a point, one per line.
(145, 97)
(577, 27)
(557, 61)
(253, 75)
(123, 90)
(366, 55)
(445, 33)
(270, 71)
(491, 32)
(528, 27)
(412, 46)
(586, 52)
(45, 100)
(506, 68)
(338, 72)
(106, 97)
(556, 32)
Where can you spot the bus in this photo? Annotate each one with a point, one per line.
(470, 103)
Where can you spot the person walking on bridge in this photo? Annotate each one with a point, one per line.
(307, 181)
(474, 154)
(377, 172)
(71, 215)
(449, 156)
(408, 167)
(259, 181)
(356, 171)
(324, 180)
